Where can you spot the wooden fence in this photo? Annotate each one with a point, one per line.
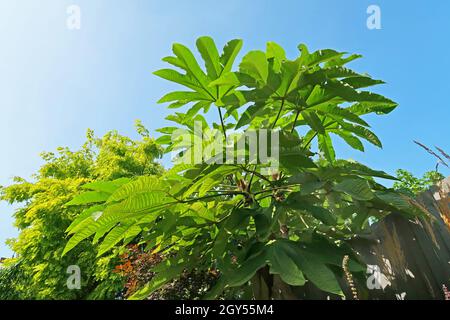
(407, 259)
(411, 259)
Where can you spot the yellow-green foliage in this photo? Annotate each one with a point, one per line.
(43, 217)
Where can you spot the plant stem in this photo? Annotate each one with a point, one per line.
(315, 134)
(279, 113)
(277, 188)
(223, 125)
(310, 140)
(295, 120)
(257, 174)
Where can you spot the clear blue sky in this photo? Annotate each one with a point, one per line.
(55, 83)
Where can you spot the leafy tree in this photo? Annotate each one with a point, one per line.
(43, 217)
(250, 225)
(412, 185)
(10, 274)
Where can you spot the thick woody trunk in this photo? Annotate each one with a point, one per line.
(267, 286)
(262, 284)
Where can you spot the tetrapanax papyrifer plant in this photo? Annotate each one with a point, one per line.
(268, 230)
